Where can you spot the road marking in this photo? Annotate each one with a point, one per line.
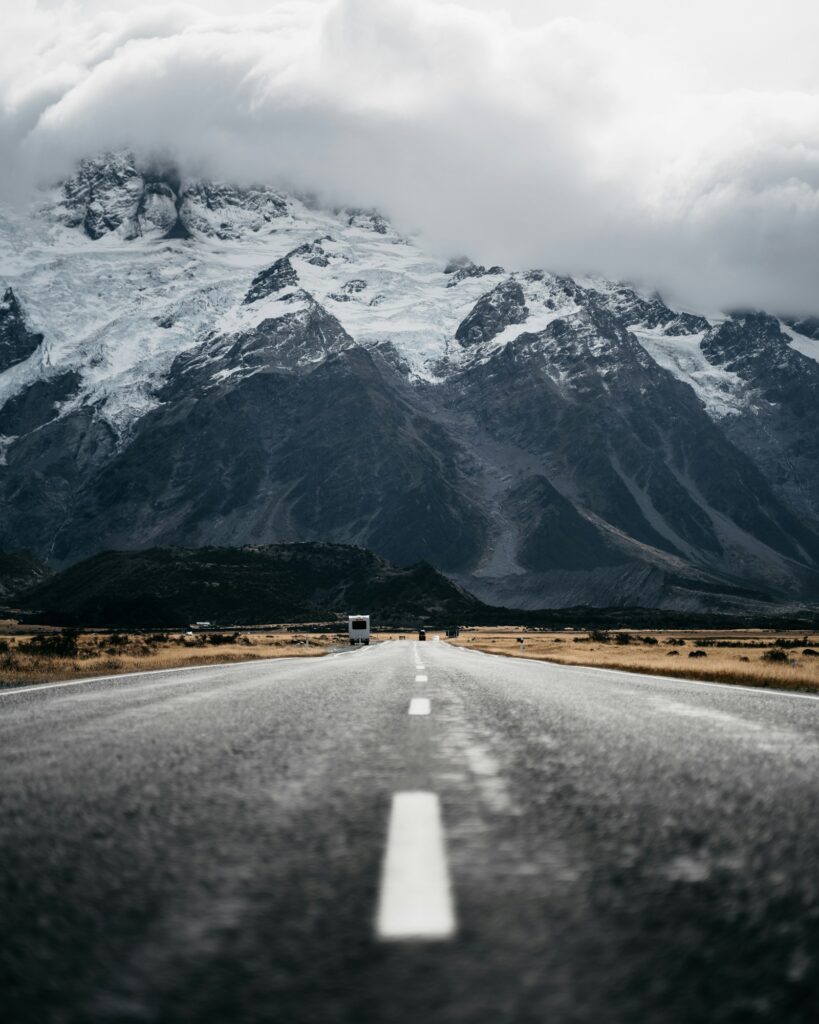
(420, 679)
(420, 706)
(36, 687)
(415, 899)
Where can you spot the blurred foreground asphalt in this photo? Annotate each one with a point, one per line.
(206, 846)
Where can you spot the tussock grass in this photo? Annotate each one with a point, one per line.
(22, 663)
(749, 663)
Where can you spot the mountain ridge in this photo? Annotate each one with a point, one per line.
(222, 365)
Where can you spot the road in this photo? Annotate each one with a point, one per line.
(565, 845)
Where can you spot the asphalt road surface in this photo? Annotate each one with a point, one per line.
(285, 842)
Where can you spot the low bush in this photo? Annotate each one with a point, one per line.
(810, 653)
(775, 655)
(697, 654)
(64, 644)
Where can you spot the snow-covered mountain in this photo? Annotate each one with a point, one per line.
(191, 363)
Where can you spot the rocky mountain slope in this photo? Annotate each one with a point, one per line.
(19, 571)
(190, 363)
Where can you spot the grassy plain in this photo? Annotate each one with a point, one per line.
(52, 655)
(766, 658)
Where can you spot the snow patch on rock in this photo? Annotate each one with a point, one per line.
(723, 393)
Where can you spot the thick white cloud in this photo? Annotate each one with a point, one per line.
(675, 144)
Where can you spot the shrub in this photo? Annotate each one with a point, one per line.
(623, 638)
(54, 645)
(650, 640)
(672, 654)
(4, 647)
(697, 654)
(810, 653)
(775, 655)
(598, 635)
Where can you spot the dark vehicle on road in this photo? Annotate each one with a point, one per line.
(422, 634)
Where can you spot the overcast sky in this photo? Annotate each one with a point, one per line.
(672, 143)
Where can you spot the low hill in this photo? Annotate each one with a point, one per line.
(19, 570)
(248, 585)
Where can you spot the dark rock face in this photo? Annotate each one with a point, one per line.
(280, 275)
(289, 342)
(37, 404)
(461, 267)
(17, 342)
(103, 194)
(210, 208)
(503, 306)
(112, 193)
(553, 533)
(808, 326)
(313, 252)
(312, 438)
(631, 310)
(370, 220)
(44, 477)
(633, 447)
(779, 425)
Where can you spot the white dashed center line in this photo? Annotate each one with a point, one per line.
(415, 901)
(420, 706)
(420, 679)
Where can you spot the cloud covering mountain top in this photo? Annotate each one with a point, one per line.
(678, 149)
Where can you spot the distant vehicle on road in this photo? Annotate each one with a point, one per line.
(422, 634)
(358, 629)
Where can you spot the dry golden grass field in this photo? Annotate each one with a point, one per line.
(765, 658)
(768, 658)
(51, 655)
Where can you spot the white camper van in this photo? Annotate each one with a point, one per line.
(358, 628)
